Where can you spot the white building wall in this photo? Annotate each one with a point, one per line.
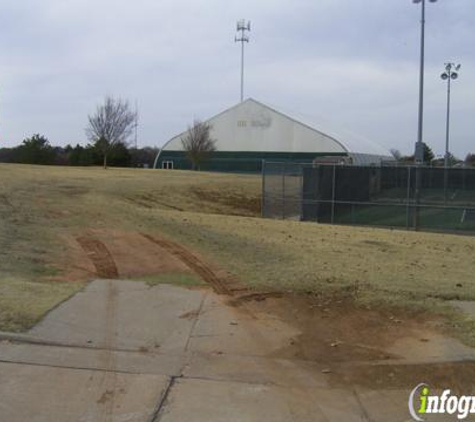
(251, 126)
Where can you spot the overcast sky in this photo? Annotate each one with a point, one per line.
(353, 63)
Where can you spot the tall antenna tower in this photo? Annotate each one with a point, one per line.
(242, 26)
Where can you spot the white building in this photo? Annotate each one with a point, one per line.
(251, 132)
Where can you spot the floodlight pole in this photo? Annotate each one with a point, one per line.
(242, 26)
(447, 136)
(419, 152)
(450, 73)
(419, 149)
(447, 127)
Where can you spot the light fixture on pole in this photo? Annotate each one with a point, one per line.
(419, 150)
(242, 26)
(450, 74)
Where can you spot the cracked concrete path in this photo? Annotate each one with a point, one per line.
(123, 351)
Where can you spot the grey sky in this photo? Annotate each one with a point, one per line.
(353, 63)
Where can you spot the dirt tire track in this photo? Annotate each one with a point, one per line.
(194, 263)
(100, 256)
(148, 201)
(257, 297)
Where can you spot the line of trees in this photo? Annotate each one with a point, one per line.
(108, 132)
(430, 159)
(428, 155)
(37, 150)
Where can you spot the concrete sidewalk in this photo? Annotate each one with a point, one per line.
(124, 351)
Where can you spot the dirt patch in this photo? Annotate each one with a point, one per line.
(136, 256)
(100, 257)
(75, 265)
(106, 397)
(335, 331)
(108, 253)
(257, 297)
(249, 205)
(200, 267)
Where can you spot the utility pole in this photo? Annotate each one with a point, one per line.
(419, 149)
(242, 26)
(451, 73)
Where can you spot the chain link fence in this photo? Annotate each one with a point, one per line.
(423, 198)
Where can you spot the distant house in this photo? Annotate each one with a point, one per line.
(251, 132)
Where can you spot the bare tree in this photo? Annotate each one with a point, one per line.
(396, 154)
(112, 124)
(198, 144)
(470, 160)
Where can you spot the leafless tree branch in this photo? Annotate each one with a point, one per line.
(197, 143)
(112, 123)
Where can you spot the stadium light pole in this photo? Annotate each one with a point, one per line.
(419, 150)
(450, 74)
(242, 26)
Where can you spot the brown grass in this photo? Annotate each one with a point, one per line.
(43, 209)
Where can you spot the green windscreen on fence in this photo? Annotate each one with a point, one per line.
(406, 197)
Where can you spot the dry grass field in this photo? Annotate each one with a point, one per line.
(45, 210)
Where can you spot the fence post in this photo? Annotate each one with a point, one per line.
(408, 198)
(301, 191)
(417, 195)
(263, 194)
(333, 194)
(283, 191)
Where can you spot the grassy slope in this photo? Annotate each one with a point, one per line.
(40, 205)
(307, 256)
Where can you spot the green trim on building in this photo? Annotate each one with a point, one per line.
(239, 162)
